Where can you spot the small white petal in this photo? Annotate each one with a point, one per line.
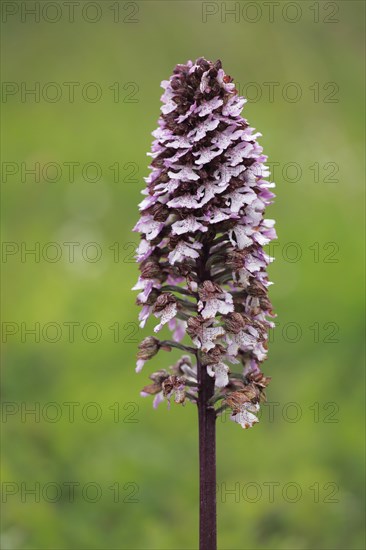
(184, 174)
(241, 237)
(245, 417)
(220, 372)
(187, 225)
(169, 312)
(168, 107)
(139, 364)
(208, 106)
(184, 250)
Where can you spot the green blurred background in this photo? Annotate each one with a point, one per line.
(134, 469)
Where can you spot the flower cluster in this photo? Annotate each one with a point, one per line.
(203, 267)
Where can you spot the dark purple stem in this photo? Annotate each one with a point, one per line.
(207, 439)
(207, 459)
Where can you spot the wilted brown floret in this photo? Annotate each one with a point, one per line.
(148, 348)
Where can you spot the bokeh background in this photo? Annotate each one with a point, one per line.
(296, 479)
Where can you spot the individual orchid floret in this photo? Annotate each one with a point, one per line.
(147, 349)
(213, 300)
(203, 267)
(245, 401)
(156, 388)
(245, 415)
(172, 383)
(203, 333)
(165, 308)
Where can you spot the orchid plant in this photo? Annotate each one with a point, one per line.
(202, 263)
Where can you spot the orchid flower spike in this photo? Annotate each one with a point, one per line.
(201, 257)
